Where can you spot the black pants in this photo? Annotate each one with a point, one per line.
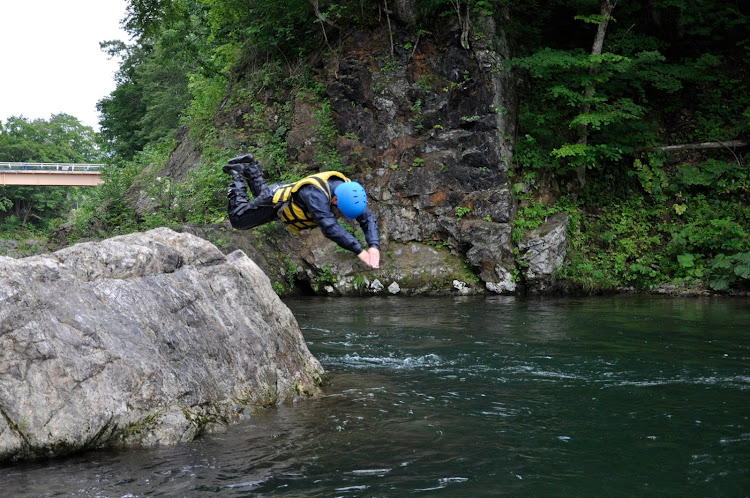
(244, 214)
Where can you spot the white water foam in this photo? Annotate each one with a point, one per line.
(369, 472)
(392, 362)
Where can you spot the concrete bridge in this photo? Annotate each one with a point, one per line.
(51, 174)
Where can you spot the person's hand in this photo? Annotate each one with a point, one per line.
(371, 257)
(374, 257)
(364, 256)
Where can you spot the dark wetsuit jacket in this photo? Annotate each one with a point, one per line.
(317, 203)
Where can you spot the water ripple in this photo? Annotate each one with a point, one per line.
(357, 361)
(472, 397)
(369, 472)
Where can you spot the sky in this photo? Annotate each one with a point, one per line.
(50, 60)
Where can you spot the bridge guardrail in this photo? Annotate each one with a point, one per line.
(16, 166)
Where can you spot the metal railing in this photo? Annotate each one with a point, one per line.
(69, 167)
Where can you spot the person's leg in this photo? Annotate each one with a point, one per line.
(249, 168)
(239, 202)
(244, 214)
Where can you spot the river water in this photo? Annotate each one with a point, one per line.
(623, 396)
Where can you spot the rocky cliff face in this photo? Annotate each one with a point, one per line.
(147, 338)
(427, 126)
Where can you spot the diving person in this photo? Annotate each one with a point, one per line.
(313, 201)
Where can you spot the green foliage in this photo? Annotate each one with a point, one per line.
(270, 141)
(107, 212)
(290, 272)
(203, 200)
(729, 272)
(727, 177)
(326, 153)
(121, 113)
(429, 11)
(652, 177)
(644, 217)
(325, 277)
(5, 204)
(532, 216)
(164, 87)
(227, 70)
(462, 211)
(122, 110)
(170, 51)
(278, 288)
(199, 199)
(207, 96)
(591, 111)
(579, 92)
(530, 155)
(416, 118)
(620, 246)
(683, 236)
(62, 139)
(36, 206)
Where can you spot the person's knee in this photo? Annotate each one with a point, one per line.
(252, 215)
(239, 222)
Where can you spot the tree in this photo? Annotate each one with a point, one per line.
(589, 108)
(62, 139)
(122, 111)
(607, 6)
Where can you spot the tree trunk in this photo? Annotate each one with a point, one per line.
(388, 19)
(322, 20)
(729, 144)
(607, 6)
(22, 211)
(464, 22)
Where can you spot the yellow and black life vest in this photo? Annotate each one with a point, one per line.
(291, 213)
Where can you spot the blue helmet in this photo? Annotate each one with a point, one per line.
(352, 199)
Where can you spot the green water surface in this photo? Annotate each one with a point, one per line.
(615, 396)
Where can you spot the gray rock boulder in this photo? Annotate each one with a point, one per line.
(149, 338)
(543, 251)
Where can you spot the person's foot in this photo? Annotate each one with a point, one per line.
(230, 169)
(246, 159)
(245, 165)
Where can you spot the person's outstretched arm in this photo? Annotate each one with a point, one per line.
(320, 209)
(370, 228)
